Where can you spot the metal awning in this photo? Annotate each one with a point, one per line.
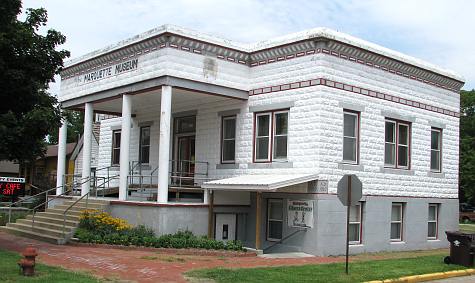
(259, 183)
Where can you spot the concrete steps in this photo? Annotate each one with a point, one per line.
(48, 225)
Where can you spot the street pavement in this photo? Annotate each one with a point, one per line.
(464, 279)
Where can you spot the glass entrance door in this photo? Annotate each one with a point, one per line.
(186, 160)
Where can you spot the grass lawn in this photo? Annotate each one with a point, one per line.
(9, 272)
(360, 271)
(467, 228)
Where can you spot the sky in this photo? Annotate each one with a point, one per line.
(437, 31)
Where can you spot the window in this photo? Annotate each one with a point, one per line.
(228, 142)
(275, 214)
(355, 228)
(436, 150)
(433, 221)
(271, 135)
(396, 147)
(115, 147)
(397, 218)
(350, 136)
(144, 146)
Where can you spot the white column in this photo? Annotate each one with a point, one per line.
(61, 166)
(86, 148)
(164, 146)
(125, 145)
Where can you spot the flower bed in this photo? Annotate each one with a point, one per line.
(100, 228)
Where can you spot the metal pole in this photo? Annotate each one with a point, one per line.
(348, 205)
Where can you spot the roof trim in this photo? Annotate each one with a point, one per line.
(311, 34)
(236, 184)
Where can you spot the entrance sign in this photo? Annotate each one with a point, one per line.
(300, 213)
(12, 187)
(350, 191)
(110, 71)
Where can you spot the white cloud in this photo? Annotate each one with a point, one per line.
(440, 32)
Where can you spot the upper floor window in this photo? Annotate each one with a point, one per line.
(397, 146)
(115, 147)
(436, 150)
(350, 136)
(271, 135)
(144, 146)
(228, 139)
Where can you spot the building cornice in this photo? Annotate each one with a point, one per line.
(263, 54)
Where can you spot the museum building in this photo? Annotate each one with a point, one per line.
(249, 141)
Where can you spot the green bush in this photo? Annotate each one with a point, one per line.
(143, 236)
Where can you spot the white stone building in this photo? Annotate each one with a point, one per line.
(235, 140)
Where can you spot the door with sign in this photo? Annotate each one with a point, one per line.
(225, 227)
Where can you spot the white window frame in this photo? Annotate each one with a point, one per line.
(400, 222)
(269, 201)
(223, 139)
(274, 124)
(397, 144)
(141, 145)
(357, 136)
(436, 221)
(359, 223)
(114, 148)
(439, 151)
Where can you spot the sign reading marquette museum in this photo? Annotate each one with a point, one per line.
(110, 71)
(300, 213)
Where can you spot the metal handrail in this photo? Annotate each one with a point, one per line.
(48, 200)
(70, 206)
(283, 239)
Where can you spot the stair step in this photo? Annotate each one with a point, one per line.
(90, 201)
(37, 229)
(58, 215)
(33, 235)
(42, 223)
(79, 207)
(61, 211)
(59, 221)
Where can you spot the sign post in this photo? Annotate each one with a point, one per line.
(350, 191)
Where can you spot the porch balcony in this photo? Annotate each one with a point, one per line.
(168, 137)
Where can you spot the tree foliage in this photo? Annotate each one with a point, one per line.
(28, 63)
(75, 121)
(467, 146)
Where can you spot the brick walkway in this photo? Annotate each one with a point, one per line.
(137, 265)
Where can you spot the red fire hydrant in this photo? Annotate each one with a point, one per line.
(27, 264)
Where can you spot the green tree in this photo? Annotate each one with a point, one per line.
(467, 146)
(28, 63)
(75, 127)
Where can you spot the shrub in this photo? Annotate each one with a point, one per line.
(99, 227)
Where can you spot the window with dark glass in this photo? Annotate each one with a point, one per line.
(433, 221)
(275, 219)
(396, 147)
(355, 227)
(144, 146)
(397, 216)
(271, 136)
(228, 142)
(350, 137)
(115, 147)
(436, 150)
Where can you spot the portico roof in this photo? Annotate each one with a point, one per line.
(259, 183)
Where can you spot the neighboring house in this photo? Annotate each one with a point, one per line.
(43, 172)
(249, 142)
(9, 169)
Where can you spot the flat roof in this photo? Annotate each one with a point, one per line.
(259, 183)
(267, 44)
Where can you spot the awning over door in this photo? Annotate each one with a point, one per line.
(259, 183)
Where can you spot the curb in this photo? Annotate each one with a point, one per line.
(428, 277)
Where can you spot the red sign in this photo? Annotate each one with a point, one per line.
(12, 187)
